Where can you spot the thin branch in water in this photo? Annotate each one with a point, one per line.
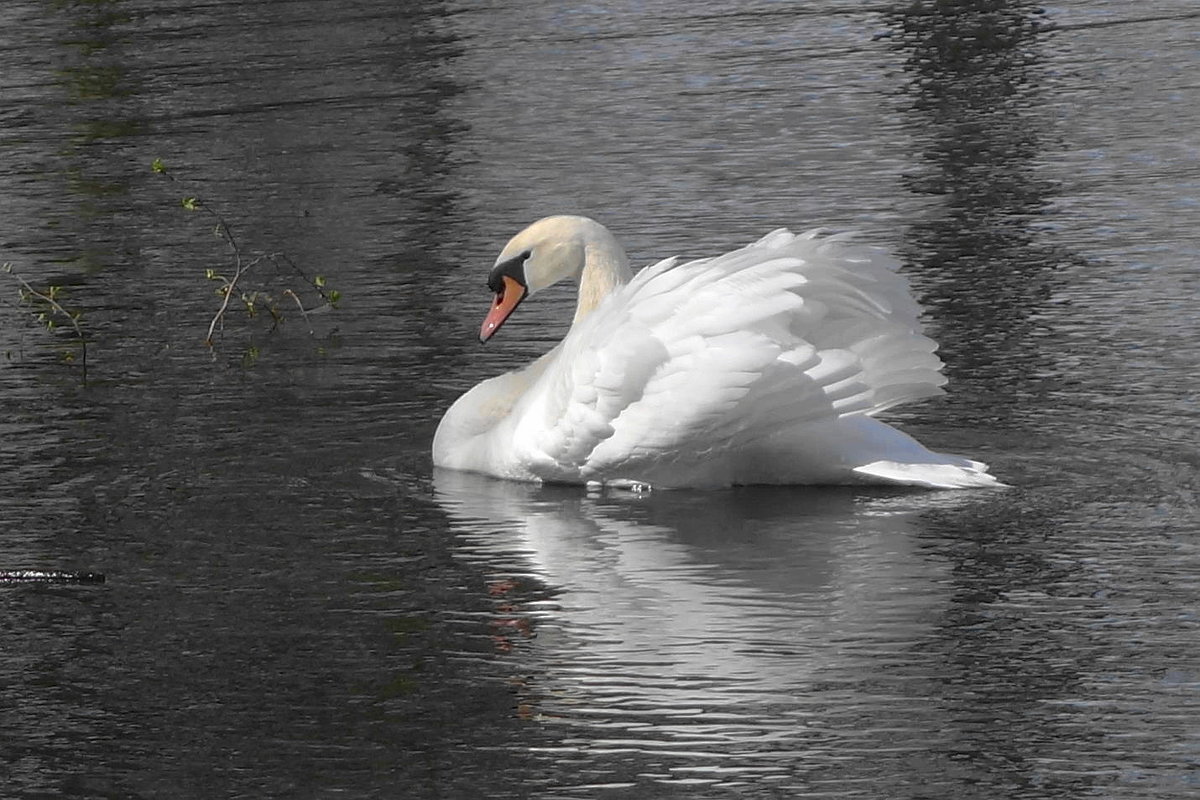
(55, 308)
(330, 297)
(228, 289)
(303, 313)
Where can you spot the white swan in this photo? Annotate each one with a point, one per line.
(762, 365)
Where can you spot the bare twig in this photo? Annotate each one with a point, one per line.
(227, 291)
(331, 296)
(300, 306)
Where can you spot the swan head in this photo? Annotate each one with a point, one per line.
(543, 254)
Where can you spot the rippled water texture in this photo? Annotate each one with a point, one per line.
(297, 606)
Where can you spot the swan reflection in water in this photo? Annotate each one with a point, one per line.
(679, 619)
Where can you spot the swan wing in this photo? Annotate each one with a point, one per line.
(690, 360)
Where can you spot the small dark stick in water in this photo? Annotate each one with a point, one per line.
(49, 576)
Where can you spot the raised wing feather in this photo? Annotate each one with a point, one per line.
(692, 359)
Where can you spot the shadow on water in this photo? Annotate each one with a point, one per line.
(100, 115)
(1025, 630)
(983, 268)
(986, 272)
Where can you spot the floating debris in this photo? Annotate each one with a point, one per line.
(49, 576)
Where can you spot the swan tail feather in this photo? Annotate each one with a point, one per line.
(968, 475)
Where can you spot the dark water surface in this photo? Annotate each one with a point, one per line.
(296, 606)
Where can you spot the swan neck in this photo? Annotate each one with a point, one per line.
(605, 267)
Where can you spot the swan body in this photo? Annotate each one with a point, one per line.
(765, 365)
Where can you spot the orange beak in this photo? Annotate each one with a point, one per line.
(506, 301)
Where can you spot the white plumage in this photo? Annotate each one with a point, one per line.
(762, 365)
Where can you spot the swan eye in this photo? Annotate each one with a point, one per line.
(513, 268)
